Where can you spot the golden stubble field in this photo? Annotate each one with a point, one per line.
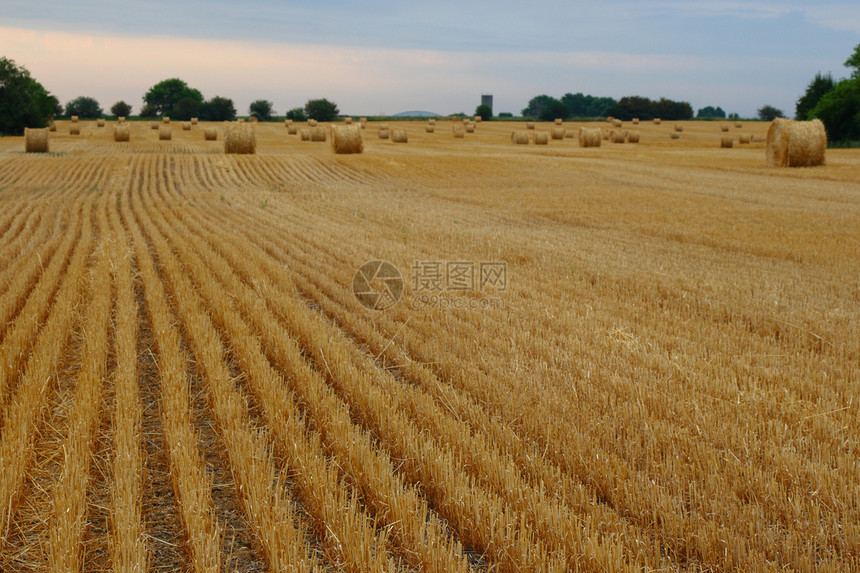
(658, 372)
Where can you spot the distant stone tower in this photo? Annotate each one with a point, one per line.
(487, 100)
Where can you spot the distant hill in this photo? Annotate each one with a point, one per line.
(416, 114)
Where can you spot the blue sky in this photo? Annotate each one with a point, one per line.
(384, 56)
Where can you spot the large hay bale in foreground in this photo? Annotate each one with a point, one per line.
(121, 133)
(459, 132)
(557, 133)
(398, 135)
(520, 137)
(165, 133)
(240, 138)
(796, 143)
(541, 138)
(36, 140)
(727, 142)
(633, 136)
(75, 129)
(210, 134)
(346, 139)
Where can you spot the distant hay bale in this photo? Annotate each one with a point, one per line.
(470, 127)
(570, 134)
(383, 132)
(530, 125)
(317, 133)
(738, 125)
(633, 136)
(459, 132)
(312, 123)
(36, 140)
(520, 137)
(165, 133)
(399, 135)
(305, 134)
(675, 135)
(616, 136)
(240, 138)
(743, 138)
(478, 119)
(431, 121)
(616, 123)
(656, 121)
(558, 121)
(240, 120)
(100, 123)
(210, 134)
(557, 133)
(193, 121)
(74, 129)
(253, 119)
(154, 125)
(457, 119)
(430, 128)
(347, 120)
(186, 126)
(74, 119)
(52, 127)
(679, 128)
(165, 119)
(292, 130)
(635, 121)
(288, 122)
(727, 142)
(724, 127)
(346, 139)
(541, 138)
(121, 133)
(363, 122)
(589, 137)
(120, 119)
(796, 143)
(610, 119)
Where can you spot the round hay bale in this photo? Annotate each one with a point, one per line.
(656, 121)
(457, 119)
(306, 134)
(727, 142)
(52, 127)
(541, 138)
(431, 121)
(346, 139)
(399, 135)
(558, 121)
(796, 143)
(186, 126)
(616, 136)
(459, 132)
(318, 133)
(121, 133)
(430, 128)
(616, 123)
(743, 138)
(193, 121)
(312, 123)
(165, 133)
(383, 132)
(520, 137)
(154, 125)
(590, 137)
(240, 138)
(347, 120)
(635, 121)
(738, 125)
(557, 133)
(633, 136)
(36, 140)
(74, 129)
(363, 122)
(610, 119)
(470, 127)
(530, 125)
(288, 122)
(165, 119)
(240, 120)
(570, 134)
(120, 119)
(679, 128)
(253, 119)
(724, 127)
(74, 119)
(605, 134)
(675, 135)
(292, 130)
(210, 134)
(478, 119)
(100, 123)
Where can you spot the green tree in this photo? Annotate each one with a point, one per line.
(185, 108)
(853, 61)
(24, 102)
(839, 110)
(484, 112)
(164, 95)
(709, 112)
(321, 109)
(297, 114)
(261, 109)
(120, 109)
(148, 111)
(629, 107)
(769, 113)
(554, 109)
(218, 109)
(667, 109)
(84, 107)
(580, 105)
(536, 105)
(817, 88)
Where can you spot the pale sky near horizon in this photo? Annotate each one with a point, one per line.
(385, 57)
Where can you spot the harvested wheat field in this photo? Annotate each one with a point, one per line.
(618, 358)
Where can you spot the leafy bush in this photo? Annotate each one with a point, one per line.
(120, 109)
(321, 109)
(297, 114)
(484, 112)
(261, 109)
(769, 113)
(218, 109)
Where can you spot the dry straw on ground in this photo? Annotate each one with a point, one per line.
(727, 142)
(121, 133)
(541, 138)
(633, 136)
(346, 139)
(398, 135)
(240, 138)
(557, 133)
(165, 133)
(520, 137)
(210, 134)
(36, 140)
(796, 143)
